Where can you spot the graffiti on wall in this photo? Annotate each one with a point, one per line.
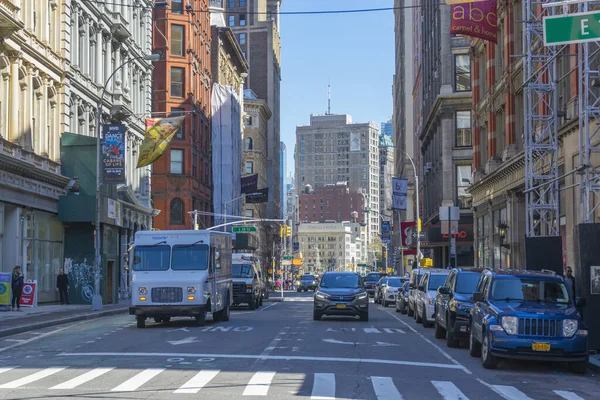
(81, 278)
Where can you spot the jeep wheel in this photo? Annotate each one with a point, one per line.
(439, 331)
(474, 346)
(579, 367)
(488, 360)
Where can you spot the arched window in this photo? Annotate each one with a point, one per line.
(176, 214)
(248, 143)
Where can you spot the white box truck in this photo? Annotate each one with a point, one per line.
(181, 273)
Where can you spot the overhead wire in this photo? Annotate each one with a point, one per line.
(319, 12)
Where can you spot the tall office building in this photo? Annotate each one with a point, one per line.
(332, 149)
(387, 128)
(282, 179)
(256, 26)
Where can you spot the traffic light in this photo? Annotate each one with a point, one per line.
(281, 231)
(419, 225)
(288, 231)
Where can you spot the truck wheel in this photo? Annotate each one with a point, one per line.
(141, 321)
(225, 313)
(200, 319)
(252, 303)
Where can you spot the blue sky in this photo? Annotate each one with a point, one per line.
(354, 52)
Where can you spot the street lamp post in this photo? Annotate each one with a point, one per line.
(231, 201)
(97, 298)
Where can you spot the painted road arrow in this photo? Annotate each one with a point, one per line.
(187, 340)
(340, 342)
(384, 344)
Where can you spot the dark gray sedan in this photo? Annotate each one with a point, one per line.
(341, 293)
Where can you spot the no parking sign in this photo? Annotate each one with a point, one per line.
(29, 294)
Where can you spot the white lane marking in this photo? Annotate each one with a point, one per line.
(567, 395)
(449, 391)
(197, 382)
(510, 392)
(259, 384)
(79, 380)
(6, 369)
(385, 389)
(32, 378)
(438, 348)
(42, 335)
(14, 340)
(135, 382)
(323, 387)
(267, 307)
(265, 357)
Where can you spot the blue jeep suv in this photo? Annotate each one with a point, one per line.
(527, 315)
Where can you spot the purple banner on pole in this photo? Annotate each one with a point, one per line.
(113, 154)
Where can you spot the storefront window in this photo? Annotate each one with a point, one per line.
(483, 248)
(43, 248)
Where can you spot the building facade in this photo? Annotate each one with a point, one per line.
(332, 202)
(387, 128)
(333, 149)
(182, 176)
(386, 173)
(282, 179)
(332, 246)
(445, 138)
(31, 179)
(256, 26)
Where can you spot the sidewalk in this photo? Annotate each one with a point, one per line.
(32, 318)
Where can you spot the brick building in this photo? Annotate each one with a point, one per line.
(333, 202)
(182, 176)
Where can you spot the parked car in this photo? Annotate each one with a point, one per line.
(527, 315)
(307, 282)
(341, 293)
(402, 298)
(379, 288)
(387, 295)
(453, 305)
(415, 277)
(371, 281)
(427, 291)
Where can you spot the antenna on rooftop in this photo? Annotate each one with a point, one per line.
(329, 99)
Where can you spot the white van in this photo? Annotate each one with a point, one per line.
(181, 273)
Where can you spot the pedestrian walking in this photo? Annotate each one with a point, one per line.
(16, 286)
(570, 282)
(62, 284)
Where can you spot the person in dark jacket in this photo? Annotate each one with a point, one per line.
(62, 284)
(16, 286)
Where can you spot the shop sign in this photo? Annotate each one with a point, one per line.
(29, 294)
(463, 235)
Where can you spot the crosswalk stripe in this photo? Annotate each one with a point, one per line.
(81, 379)
(197, 382)
(32, 378)
(6, 369)
(568, 395)
(510, 392)
(323, 387)
(449, 391)
(385, 389)
(259, 384)
(135, 382)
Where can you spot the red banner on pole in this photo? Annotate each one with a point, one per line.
(406, 230)
(28, 294)
(478, 20)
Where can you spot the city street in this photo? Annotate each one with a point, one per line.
(276, 352)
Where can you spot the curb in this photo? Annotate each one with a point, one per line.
(67, 320)
(594, 365)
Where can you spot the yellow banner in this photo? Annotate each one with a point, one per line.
(159, 132)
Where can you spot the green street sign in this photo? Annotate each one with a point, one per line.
(572, 28)
(243, 229)
(288, 257)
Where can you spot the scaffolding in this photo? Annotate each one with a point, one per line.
(589, 123)
(541, 124)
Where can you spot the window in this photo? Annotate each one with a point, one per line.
(249, 167)
(176, 161)
(462, 73)
(242, 3)
(177, 112)
(231, 20)
(463, 181)
(230, 3)
(177, 6)
(177, 37)
(463, 129)
(176, 211)
(177, 75)
(269, 15)
(248, 143)
(249, 213)
(242, 38)
(242, 19)
(194, 167)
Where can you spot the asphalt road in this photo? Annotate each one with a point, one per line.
(275, 352)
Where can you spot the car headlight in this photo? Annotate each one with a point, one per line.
(510, 325)
(142, 290)
(360, 296)
(314, 282)
(322, 296)
(569, 327)
(190, 289)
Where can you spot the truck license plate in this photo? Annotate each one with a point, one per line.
(340, 306)
(540, 346)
